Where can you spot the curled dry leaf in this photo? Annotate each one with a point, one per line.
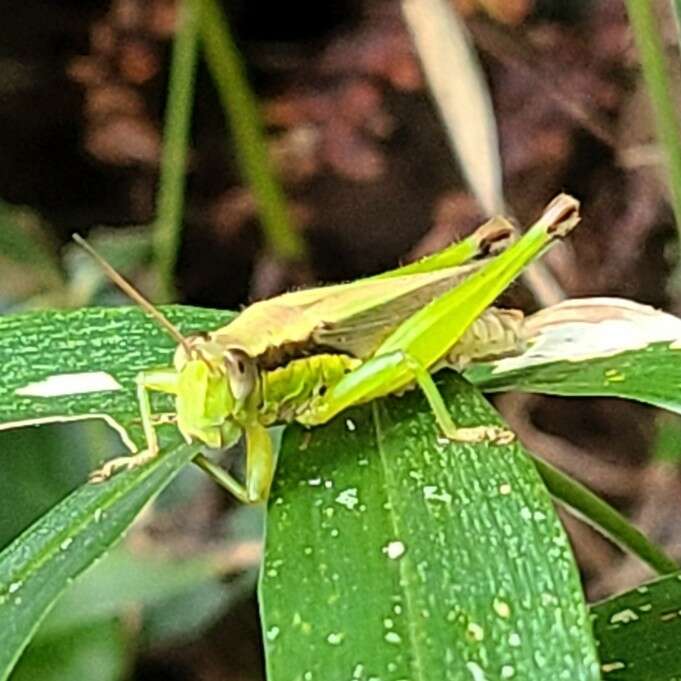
(578, 330)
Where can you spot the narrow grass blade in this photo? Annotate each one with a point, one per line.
(648, 36)
(246, 126)
(170, 197)
(599, 514)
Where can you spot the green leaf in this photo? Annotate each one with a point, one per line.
(124, 580)
(603, 517)
(639, 631)
(391, 554)
(247, 131)
(176, 144)
(40, 466)
(651, 375)
(119, 341)
(95, 653)
(23, 241)
(36, 567)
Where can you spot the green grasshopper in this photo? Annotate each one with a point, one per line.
(307, 355)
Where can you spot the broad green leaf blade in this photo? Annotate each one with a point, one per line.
(391, 554)
(595, 347)
(639, 632)
(651, 375)
(37, 567)
(119, 342)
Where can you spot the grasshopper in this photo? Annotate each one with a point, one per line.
(307, 355)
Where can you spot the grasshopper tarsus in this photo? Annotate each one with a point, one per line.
(121, 463)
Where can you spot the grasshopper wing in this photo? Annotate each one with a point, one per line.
(361, 331)
(356, 317)
(345, 318)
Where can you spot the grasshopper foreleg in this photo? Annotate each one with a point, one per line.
(376, 377)
(259, 467)
(164, 380)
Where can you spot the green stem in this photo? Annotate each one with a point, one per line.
(603, 517)
(651, 50)
(170, 198)
(241, 109)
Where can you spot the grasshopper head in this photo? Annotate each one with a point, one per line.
(213, 386)
(213, 383)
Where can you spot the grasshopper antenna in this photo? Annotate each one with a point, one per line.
(134, 294)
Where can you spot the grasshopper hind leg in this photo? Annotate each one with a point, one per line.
(493, 434)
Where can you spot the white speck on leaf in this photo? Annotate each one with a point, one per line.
(348, 498)
(507, 671)
(502, 608)
(431, 493)
(475, 631)
(613, 666)
(477, 673)
(624, 617)
(335, 639)
(71, 384)
(394, 549)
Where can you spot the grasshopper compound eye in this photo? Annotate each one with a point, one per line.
(241, 372)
